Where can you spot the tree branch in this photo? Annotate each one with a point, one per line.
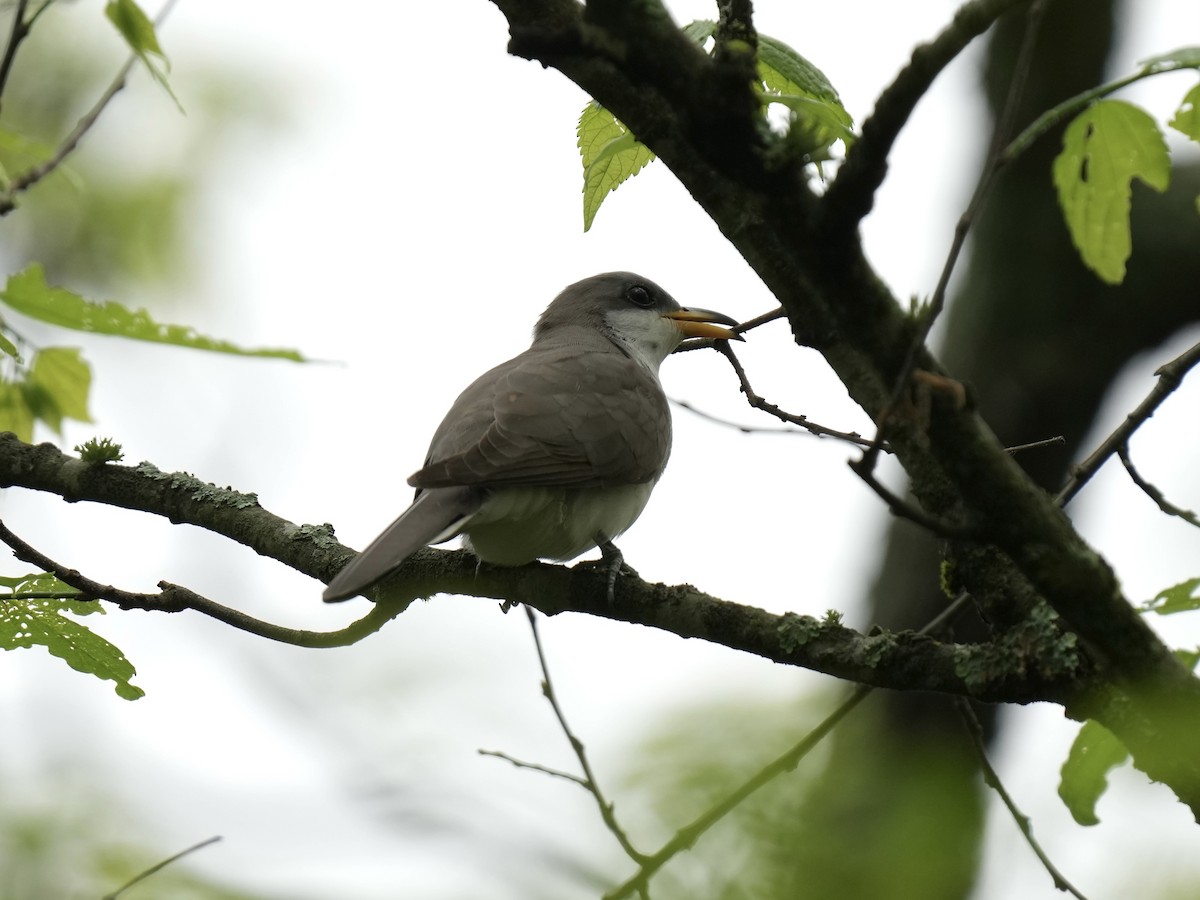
(852, 193)
(903, 661)
(1170, 376)
(633, 60)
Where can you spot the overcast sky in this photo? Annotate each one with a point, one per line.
(411, 221)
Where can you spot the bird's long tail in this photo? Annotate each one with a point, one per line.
(436, 515)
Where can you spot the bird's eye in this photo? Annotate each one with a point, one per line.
(639, 296)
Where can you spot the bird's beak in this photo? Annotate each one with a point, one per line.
(699, 323)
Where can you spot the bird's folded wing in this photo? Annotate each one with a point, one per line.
(560, 417)
(434, 516)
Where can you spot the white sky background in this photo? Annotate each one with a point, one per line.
(420, 213)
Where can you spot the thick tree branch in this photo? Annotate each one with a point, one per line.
(633, 60)
(1002, 672)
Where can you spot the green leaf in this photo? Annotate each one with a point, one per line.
(138, 31)
(1187, 118)
(26, 622)
(28, 293)
(700, 31)
(791, 73)
(1084, 777)
(610, 155)
(7, 346)
(1178, 598)
(15, 413)
(1104, 149)
(1183, 58)
(57, 386)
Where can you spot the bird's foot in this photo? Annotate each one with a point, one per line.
(612, 563)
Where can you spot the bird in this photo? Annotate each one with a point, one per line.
(556, 451)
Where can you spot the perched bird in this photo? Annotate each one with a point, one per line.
(557, 450)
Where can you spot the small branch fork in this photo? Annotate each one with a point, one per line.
(1170, 377)
(31, 176)
(174, 598)
(995, 161)
(992, 780)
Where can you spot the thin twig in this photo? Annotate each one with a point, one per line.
(589, 778)
(27, 179)
(992, 166)
(757, 402)
(729, 423)
(1170, 376)
(1153, 492)
(159, 866)
(174, 598)
(751, 324)
(992, 780)
(905, 510)
(537, 767)
(1036, 445)
(687, 836)
(20, 30)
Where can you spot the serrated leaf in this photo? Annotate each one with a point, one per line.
(138, 31)
(700, 30)
(1178, 598)
(15, 414)
(796, 74)
(1104, 149)
(610, 154)
(57, 386)
(28, 293)
(27, 623)
(1084, 776)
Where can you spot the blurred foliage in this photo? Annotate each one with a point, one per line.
(123, 209)
(773, 847)
(118, 218)
(77, 846)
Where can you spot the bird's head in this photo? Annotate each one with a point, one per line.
(633, 312)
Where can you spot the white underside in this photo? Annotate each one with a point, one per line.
(518, 525)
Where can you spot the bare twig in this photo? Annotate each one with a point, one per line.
(995, 160)
(20, 30)
(992, 780)
(852, 437)
(174, 598)
(1170, 376)
(852, 193)
(905, 510)
(1153, 492)
(538, 767)
(27, 179)
(589, 778)
(160, 866)
(687, 836)
(1037, 445)
(750, 324)
(729, 423)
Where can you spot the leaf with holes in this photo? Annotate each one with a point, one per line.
(1104, 149)
(27, 621)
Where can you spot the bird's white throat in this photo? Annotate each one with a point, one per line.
(645, 335)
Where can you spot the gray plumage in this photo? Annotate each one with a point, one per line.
(557, 450)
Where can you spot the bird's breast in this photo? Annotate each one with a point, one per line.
(520, 524)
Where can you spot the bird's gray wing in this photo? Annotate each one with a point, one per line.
(559, 416)
(435, 515)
